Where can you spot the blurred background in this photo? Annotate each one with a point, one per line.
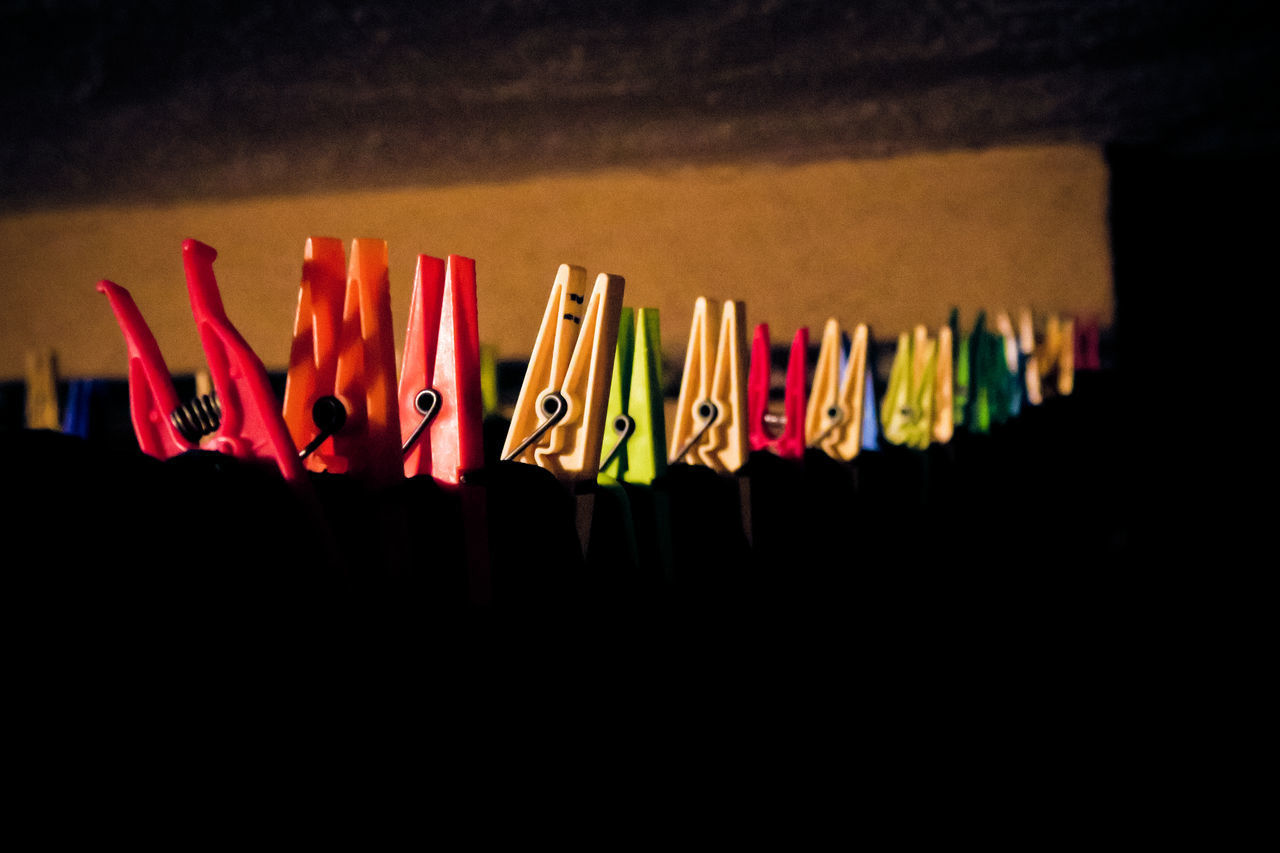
(880, 162)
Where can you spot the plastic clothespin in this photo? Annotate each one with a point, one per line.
(1056, 354)
(558, 422)
(1030, 362)
(834, 420)
(636, 414)
(1087, 350)
(340, 399)
(907, 415)
(241, 419)
(711, 413)
(1015, 361)
(441, 412)
(42, 389)
(790, 444)
(77, 419)
(489, 379)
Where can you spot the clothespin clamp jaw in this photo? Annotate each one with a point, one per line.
(636, 414)
(710, 421)
(837, 401)
(790, 443)
(559, 418)
(340, 399)
(241, 419)
(441, 407)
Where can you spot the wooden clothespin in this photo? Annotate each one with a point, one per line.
(559, 419)
(711, 413)
(834, 420)
(42, 389)
(790, 443)
(242, 418)
(340, 399)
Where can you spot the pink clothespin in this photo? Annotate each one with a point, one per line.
(242, 418)
(790, 444)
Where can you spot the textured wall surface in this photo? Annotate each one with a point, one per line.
(890, 242)
(866, 159)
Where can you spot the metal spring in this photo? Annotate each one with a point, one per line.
(198, 418)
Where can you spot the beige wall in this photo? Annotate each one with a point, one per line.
(889, 242)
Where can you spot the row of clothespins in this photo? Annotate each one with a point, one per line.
(591, 407)
(594, 363)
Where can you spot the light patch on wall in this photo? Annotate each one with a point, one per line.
(889, 242)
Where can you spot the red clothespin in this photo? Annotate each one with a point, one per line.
(1086, 344)
(242, 417)
(441, 410)
(790, 444)
(340, 399)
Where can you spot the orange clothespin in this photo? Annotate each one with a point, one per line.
(790, 443)
(441, 410)
(242, 417)
(834, 420)
(340, 397)
(711, 412)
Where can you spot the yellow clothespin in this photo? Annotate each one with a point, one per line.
(1057, 354)
(42, 390)
(711, 413)
(559, 419)
(834, 420)
(1027, 346)
(944, 426)
(908, 411)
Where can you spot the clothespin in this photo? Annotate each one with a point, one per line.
(441, 412)
(1057, 354)
(834, 421)
(559, 418)
(489, 379)
(790, 444)
(1014, 360)
(1087, 349)
(42, 389)
(907, 414)
(636, 414)
(340, 391)
(943, 389)
(961, 370)
(242, 418)
(77, 419)
(1031, 363)
(711, 413)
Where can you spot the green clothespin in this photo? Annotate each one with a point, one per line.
(489, 379)
(638, 455)
(636, 416)
(960, 368)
